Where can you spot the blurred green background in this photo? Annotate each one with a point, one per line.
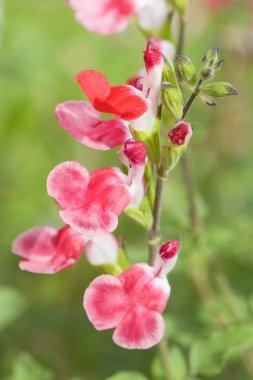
(41, 317)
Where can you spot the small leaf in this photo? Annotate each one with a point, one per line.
(219, 89)
(12, 305)
(186, 71)
(127, 375)
(177, 365)
(208, 357)
(26, 367)
(143, 214)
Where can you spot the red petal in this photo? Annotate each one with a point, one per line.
(94, 84)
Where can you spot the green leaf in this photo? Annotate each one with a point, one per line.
(208, 357)
(127, 375)
(177, 363)
(143, 214)
(151, 140)
(27, 368)
(218, 89)
(12, 305)
(186, 71)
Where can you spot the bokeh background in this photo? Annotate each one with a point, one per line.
(44, 333)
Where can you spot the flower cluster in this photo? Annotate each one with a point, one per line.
(129, 298)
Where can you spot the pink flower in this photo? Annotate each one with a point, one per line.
(47, 250)
(83, 122)
(151, 87)
(90, 202)
(124, 101)
(112, 16)
(132, 303)
(181, 133)
(104, 16)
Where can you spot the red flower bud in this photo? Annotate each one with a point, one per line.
(181, 133)
(169, 250)
(135, 152)
(152, 58)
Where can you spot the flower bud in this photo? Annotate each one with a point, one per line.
(181, 133)
(135, 151)
(167, 257)
(186, 70)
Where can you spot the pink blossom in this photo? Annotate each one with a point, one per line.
(48, 250)
(104, 16)
(181, 133)
(133, 302)
(84, 123)
(124, 101)
(112, 16)
(90, 202)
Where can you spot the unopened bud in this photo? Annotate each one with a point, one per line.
(135, 151)
(181, 133)
(169, 250)
(186, 70)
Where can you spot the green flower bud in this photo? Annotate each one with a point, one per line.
(219, 89)
(180, 5)
(172, 99)
(186, 70)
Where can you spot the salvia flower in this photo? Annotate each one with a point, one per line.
(48, 250)
(112, 16)
(125, 101)
(84, 123)
(90, 202)
(133, 302)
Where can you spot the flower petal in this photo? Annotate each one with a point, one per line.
(83, 122)
(141, 329)
(102, 250)
(105, 302)
(37, 241)
(103, 16)
(94, 84)
(67, 184)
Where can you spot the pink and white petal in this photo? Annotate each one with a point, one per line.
(157, 293)
(140, 329)
(105, 302)
(37, 267)
(70, 245)
(92, 221)
(102, 250)
(67, 184)
(103, 16)
(137, 189)
(76, 117)
(135, 277)
(37, 242)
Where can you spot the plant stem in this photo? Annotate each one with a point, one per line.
(181, 39)
(154, 234)
(192, 98)
(164, 355)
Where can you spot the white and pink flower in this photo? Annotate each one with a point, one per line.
(112, 16)
(48, 250)
(133, 302)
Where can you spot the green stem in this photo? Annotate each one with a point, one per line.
(192, 98)
(164, 355)
(181, 39)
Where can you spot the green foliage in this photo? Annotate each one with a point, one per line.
(208, 357)
(177, 364)
(186, 71)
(12, 305)
(27, 368)
(171, 93)
(143, 214)
(219, 89)
(127, 375)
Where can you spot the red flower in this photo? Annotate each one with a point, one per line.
(124, 101)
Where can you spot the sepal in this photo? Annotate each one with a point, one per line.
(218, 89)
(116, 268)
(171, 93)
(142, 214)
(186, 71)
